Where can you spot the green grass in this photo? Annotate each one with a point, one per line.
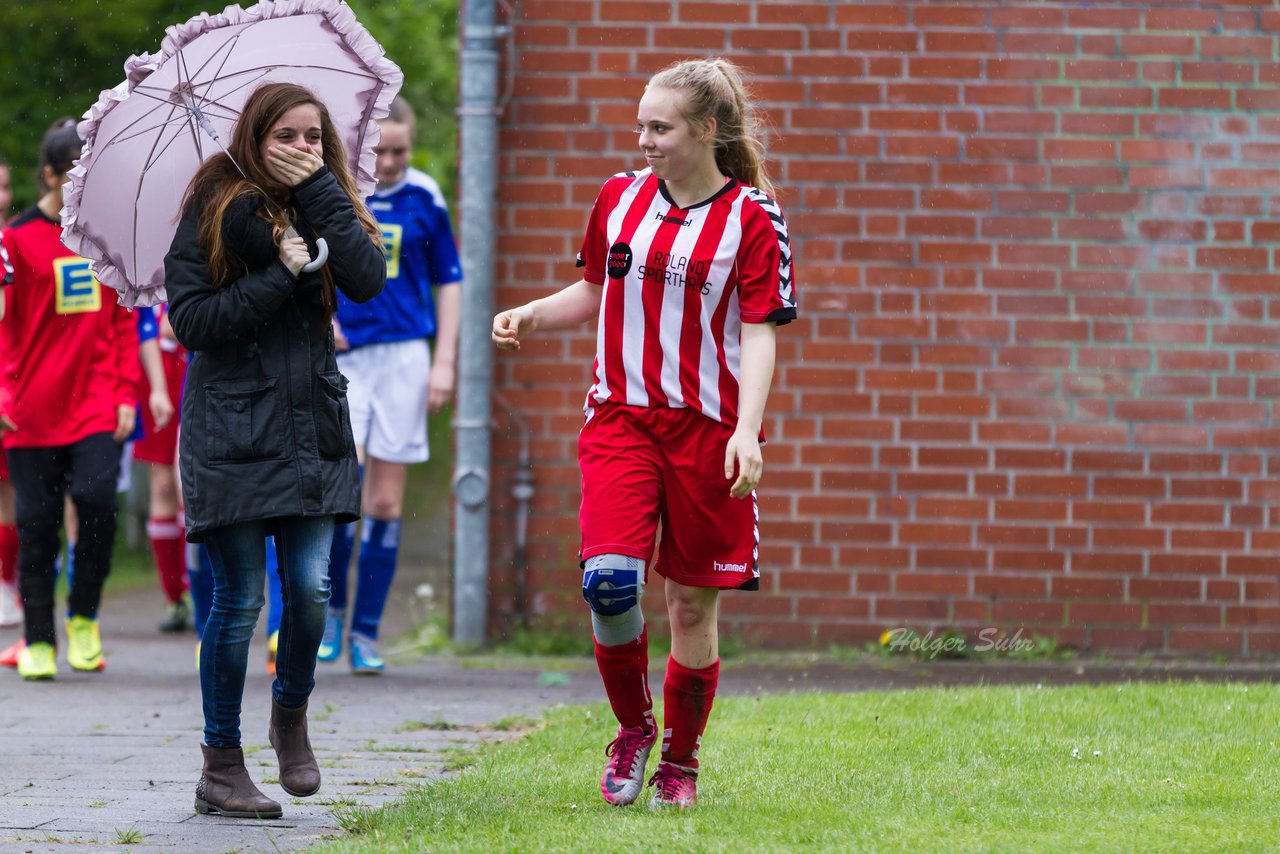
(1156, 767)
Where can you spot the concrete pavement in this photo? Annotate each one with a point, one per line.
(109, 761)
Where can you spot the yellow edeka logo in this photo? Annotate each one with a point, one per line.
(77, 290)
(392, 235)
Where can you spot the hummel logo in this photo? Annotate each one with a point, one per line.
(728, 567)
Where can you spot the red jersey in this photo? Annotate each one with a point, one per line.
(679, 283)
(70, 352)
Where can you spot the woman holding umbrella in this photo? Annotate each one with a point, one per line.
(266, 444)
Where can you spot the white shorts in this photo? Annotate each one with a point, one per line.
(387, 393)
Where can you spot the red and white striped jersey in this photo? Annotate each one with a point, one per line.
(678, 285)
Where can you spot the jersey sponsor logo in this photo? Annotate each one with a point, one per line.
(392, 240)
(675, 220)
(677, 271)
(619, 261)
(728, 567)
(75, 288)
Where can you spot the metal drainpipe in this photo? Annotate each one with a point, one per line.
(472, 423)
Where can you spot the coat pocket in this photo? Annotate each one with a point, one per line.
(333, 416)
(244, 421)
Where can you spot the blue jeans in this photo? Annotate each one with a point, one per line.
(238, 555)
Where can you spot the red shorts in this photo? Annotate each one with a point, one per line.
(161, 446)
(642, 465)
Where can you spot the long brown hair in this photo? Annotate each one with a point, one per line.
(713, 88)
(218, 183)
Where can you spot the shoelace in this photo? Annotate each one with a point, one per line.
(667, 783)
(623, 750)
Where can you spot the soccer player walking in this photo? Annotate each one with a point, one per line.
(688, 267)
(396, 379)
(67, 402)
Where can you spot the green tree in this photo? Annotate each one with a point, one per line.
(422, 38)
(57, 57)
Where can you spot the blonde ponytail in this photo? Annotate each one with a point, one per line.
(713, 88)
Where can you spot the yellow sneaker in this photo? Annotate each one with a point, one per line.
(273, 644)
(37, 661)
(84, 644)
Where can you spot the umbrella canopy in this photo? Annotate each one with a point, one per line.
(145, 139)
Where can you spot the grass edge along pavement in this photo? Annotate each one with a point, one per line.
(1171, 766)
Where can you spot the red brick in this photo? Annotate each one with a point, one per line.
(952, 68)
(1164, 589)
(1104, 614)
(1228, 642)
(1131, 45)
(1030, 42)
(1133, 97)
(1252, 47)
(1111, 563)
(1091, 587)
(1030, 612)
(1135, 640)
(1010, 585)
(872, 14)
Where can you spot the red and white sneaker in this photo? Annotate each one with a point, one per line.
(624, 774)
(673, 786)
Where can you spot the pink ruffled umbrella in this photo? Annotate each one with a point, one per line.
(146, 138)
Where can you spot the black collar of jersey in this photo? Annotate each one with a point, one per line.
(729, 185)
(31, 214)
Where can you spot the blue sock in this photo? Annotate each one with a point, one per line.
(344, 543)
(375, 569)
(275, 603)
(200, 573)
(71, 577)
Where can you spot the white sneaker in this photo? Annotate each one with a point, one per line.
(10, 604)
(624, 774)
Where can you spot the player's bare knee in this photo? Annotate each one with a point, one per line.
(689, 608)
(381, 508)
(612, 586)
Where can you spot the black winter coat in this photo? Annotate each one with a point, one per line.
(266, 431)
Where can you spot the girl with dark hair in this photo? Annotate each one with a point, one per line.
(688, 267)
(265, 447)
(67, 402)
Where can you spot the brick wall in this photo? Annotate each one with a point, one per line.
(1034, 382)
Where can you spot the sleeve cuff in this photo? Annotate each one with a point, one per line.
(311, 179)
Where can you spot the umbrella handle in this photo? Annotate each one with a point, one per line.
(322, 255)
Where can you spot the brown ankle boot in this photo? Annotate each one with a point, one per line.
(225, 787)
(299, 771)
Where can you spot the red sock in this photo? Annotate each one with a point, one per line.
(687, 698)
(9, 554)
(169, 548)
(625, 671)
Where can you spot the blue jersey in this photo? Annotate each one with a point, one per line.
(148, 329)
(421, 254)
